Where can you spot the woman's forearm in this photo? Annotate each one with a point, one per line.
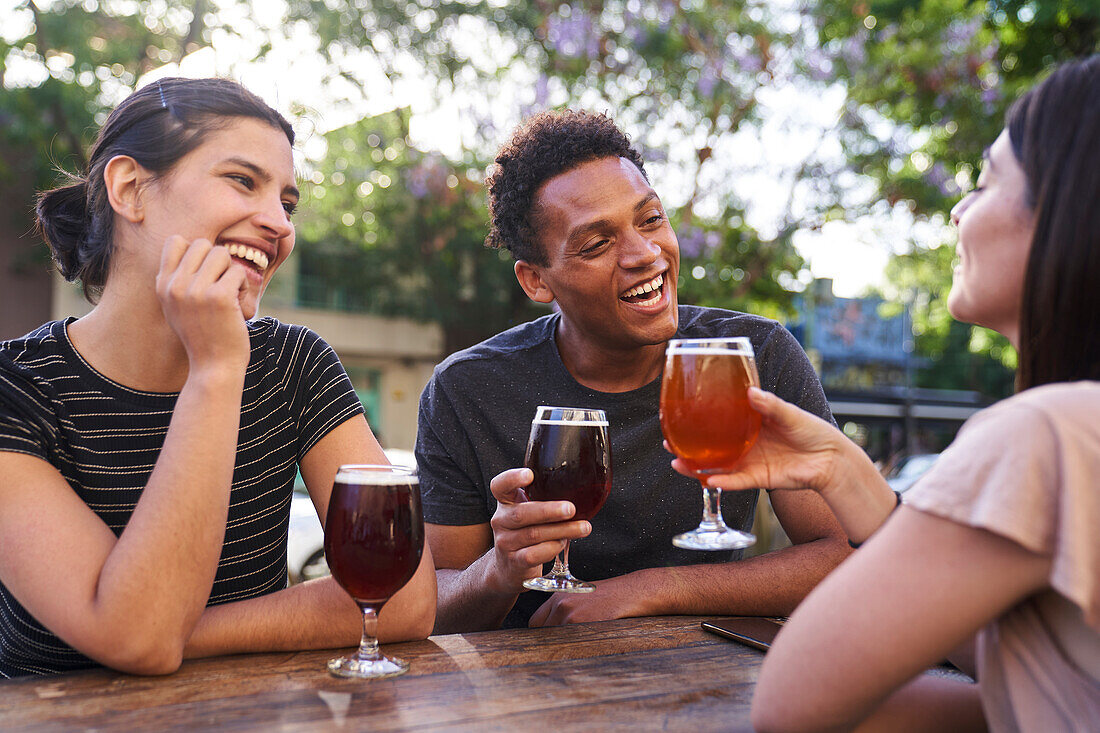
(159, 573)
(858, 495)
(317, 614)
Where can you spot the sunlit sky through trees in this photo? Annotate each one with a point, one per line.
(797, 120)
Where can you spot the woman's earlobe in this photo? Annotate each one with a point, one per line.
(125, 179)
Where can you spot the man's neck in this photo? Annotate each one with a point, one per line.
(605, 368)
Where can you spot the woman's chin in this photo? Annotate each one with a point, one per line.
(250, 305)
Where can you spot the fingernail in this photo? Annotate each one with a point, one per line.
(587, 527)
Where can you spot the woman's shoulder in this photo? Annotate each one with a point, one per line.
(1060, 398)
(31, 368)
(274, 334)
(1017, 468)
(1050, 408)
(288, 348)
(35, 354)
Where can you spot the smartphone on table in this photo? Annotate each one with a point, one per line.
(755, 631)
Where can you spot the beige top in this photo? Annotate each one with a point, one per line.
(1028, 469)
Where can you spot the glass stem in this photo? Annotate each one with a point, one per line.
(368, 645)
(712, 510)
(561, 563)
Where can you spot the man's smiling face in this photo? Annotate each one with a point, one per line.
(612, 257)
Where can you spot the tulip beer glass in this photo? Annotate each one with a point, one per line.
(570, 456)
(708, 423)
(374, 538)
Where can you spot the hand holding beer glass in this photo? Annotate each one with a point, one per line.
(708, 423)
(570, 457)
(374, 539)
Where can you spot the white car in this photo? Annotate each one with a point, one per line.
(906, 473)
(305, 546)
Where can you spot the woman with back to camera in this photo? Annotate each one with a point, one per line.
(998, 540)
(148, 450)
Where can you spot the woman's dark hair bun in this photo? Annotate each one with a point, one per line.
(62, 216)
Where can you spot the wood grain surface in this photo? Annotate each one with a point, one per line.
(660, 673)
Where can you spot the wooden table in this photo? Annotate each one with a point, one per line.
(642, 674)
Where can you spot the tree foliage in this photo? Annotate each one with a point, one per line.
(76, 61)
(398, 231)
(928, 84)
(684, 79)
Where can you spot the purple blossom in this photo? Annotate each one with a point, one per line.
(637, 32)
(429, 176)
(652, 155)
(708, 81)
(959, 33)
(747, 61)
(989, 99)
(939, 177)
(691, 242)
(819, 64)
(712, 240)
(542, 90)
(853, 51)
(574, 36)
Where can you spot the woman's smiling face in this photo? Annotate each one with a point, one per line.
(236, 190)
(995, 224)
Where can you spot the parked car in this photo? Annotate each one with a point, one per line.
(305, 546)
(906, 471)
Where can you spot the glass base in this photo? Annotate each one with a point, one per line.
(367, 669)
(711, 539)
(559, 584)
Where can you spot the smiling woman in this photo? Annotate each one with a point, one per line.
(148, 450)
(992, 556)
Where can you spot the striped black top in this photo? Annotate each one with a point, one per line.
(104, 438)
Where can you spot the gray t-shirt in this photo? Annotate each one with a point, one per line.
(475, 418)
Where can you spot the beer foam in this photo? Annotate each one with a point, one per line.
(382, 476)
(699, 350)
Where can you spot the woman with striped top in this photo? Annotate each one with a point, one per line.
(148, 450)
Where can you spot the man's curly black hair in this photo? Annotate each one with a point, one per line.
(546, 145)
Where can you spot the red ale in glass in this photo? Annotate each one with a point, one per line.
(374, 535)
(705, 412)
(571, 462)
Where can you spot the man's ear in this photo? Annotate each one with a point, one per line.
(532, 283)
(125, 181)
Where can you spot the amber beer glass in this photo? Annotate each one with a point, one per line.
(708, 423)
(374, 539)
(570, 457)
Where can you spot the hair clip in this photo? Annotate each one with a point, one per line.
(160, 88)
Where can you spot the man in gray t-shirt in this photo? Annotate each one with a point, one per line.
(570, 200)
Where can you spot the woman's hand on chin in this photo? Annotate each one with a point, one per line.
(199, 291)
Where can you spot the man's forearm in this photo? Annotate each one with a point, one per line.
(767, 585)
(467, 602)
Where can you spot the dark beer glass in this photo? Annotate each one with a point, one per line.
(708, 423)
(570, 455)
(374, 539)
